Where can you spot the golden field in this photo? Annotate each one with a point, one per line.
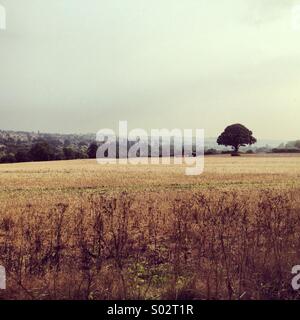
(81, 230)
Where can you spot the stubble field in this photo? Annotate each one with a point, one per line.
(80, 230)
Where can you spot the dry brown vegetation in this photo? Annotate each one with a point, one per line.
(78, 230)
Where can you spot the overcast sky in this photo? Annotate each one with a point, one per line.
(80, 66)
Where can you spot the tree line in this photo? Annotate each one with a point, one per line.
(28, 147)
(42, 150)
(49, 149)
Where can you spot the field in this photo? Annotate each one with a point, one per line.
(81, 230)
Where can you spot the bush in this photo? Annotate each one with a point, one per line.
(235, 154)
(23, 156)
(211, 152)
(41, 151)
(8, 158)
(69, 153)
(92, 150)
(287, 150)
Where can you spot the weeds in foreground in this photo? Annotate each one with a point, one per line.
(200, 245)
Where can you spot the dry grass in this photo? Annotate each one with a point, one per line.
(78, 230)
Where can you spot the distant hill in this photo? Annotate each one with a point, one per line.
(261, 143)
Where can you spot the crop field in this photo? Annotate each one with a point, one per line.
(82, 230)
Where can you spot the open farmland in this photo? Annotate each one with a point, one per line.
(77, 229)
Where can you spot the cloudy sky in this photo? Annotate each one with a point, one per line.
(80, 66)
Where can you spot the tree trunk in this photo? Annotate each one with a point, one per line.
(236, 151)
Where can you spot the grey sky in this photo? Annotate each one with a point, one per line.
(79, 66)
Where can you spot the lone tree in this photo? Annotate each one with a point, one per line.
(236, 136)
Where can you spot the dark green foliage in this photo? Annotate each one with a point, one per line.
(211, 152)
(8, 158)
(236, 136)
(69, 153)
(297, 144)
(92, 150)
(42, 151)
(286, 150)
(23, 156)
(26, 147)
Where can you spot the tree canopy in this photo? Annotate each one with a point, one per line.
(236, 136)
